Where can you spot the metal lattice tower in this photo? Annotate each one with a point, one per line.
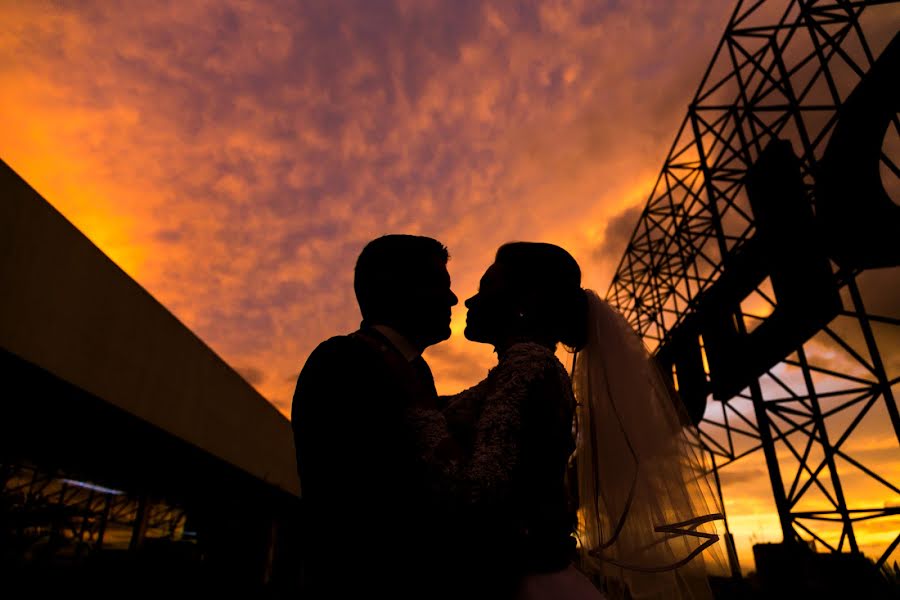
(50, 512)
(767, 238)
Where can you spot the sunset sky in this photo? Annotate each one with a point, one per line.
(234, 157)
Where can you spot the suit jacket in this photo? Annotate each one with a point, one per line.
(370, 525)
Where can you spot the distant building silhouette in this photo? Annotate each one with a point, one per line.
(130, 452)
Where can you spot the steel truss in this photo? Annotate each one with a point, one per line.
(699, 258)
(52, 515)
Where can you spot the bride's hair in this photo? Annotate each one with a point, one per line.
(549, 278)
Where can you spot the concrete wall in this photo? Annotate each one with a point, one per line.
(66, 307)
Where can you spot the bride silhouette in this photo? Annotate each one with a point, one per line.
(640, 521)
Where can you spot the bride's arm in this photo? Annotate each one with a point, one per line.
(525, 384)
(444, 438)
(482, 475)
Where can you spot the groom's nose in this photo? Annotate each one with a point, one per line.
(453, 299)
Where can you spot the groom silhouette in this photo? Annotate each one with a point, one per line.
(371, 526)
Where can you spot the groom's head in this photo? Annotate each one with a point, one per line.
(402, 281)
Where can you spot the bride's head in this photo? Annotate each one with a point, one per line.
(532, 293)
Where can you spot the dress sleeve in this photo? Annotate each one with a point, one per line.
(480, 472)
(461, 411)
(445, 440)
(526, 382)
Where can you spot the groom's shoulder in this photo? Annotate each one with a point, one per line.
(339, 347)
(342, 352)
(330, 360)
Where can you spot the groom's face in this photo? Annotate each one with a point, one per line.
(424, 315)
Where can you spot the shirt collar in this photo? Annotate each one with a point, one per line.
(403, 345)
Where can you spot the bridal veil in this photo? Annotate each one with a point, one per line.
(647, 511)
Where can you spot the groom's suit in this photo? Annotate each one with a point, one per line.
(370, 524)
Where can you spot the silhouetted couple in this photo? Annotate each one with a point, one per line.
(483, 494)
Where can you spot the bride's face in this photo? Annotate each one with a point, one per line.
(488, 316)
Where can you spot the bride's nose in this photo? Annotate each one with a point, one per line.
(468, 303)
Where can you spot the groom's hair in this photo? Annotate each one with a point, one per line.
(389, 266)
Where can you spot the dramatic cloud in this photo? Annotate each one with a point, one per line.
(235, 157)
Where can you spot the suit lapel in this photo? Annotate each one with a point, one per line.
(418, 387)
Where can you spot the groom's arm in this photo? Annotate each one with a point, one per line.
(332, 421)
